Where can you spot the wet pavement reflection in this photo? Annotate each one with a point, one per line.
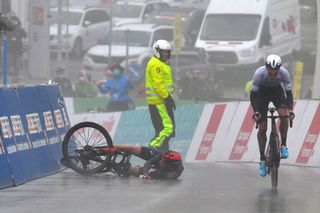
(204, 187)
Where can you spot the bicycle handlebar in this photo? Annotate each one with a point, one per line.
(272, 110)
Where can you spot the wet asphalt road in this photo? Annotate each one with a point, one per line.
(203, 187)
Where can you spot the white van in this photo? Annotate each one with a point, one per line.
(240, 34)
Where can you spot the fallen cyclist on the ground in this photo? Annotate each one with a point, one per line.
(167, 165)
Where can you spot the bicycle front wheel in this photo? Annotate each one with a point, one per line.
(274, 158)
(79, 148)
(274, 176)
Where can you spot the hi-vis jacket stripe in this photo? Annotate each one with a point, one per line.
(159, 83)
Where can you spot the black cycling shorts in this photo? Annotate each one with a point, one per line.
(276, 95)
(147, 153)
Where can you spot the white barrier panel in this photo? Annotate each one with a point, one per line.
(226, 132)
(308, 151)
(108, 120)
(239, 134)
(299, 128)
(212, 128)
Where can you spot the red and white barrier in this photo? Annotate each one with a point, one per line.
(226, 132)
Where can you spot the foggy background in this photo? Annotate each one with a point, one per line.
(44, 48)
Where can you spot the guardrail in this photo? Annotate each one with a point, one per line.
(217, 132)
(33, 122)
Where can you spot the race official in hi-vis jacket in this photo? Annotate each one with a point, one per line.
(159, 95)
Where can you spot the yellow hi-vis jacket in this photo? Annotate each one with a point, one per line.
(159, 83)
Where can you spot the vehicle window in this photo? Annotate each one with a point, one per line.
(136, 38)
(96, 16)
(149, 9)
(70, 18)
(265, 39)
(231, 27)
(152, 8)
(166, 34)
(308, 11)
(90, 17)
(101, 16)
(160, 6)
(127, 11)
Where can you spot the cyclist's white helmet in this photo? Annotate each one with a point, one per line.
(160, 45)
(273, 61)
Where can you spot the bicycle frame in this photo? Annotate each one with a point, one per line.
(273, 150)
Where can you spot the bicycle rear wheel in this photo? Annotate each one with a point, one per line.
(79, 148)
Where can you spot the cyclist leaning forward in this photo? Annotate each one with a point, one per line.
(271, 83)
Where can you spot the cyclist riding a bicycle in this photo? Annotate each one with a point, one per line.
(271, 83)
(167, 165)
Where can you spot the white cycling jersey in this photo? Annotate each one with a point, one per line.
(261, 78)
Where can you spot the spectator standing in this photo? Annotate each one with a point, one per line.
(84, 86)
(65, 83)
(15, 48)
(117, 85)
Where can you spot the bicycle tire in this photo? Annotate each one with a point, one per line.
(77, 148)
(274, 161)
(274, 176)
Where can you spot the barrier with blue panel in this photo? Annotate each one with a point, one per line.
(5, 173)
(54, 114)
(135, 127)
(32, 125)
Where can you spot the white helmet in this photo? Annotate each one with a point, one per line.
(273, 61)
(160, 45)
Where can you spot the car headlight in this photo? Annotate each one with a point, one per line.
(247, 52)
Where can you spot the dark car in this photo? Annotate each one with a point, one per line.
(195, 78)
(191, 19)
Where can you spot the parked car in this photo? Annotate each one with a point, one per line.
(124, 12)
(80, 28)
(191, 19)
(137, 37)
(195, 78)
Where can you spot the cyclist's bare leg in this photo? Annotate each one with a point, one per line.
(283, 125)
(135, 150)
(134, 170)
(262, 139)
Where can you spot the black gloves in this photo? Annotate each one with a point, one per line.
(169, 102)
(256, 116)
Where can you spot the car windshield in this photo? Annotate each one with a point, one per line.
(231, 27)
(135, 38)
(69, 18)
(308, 12)
(126, 11)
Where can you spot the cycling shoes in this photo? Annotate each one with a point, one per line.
(262, 169)
(284, 152)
